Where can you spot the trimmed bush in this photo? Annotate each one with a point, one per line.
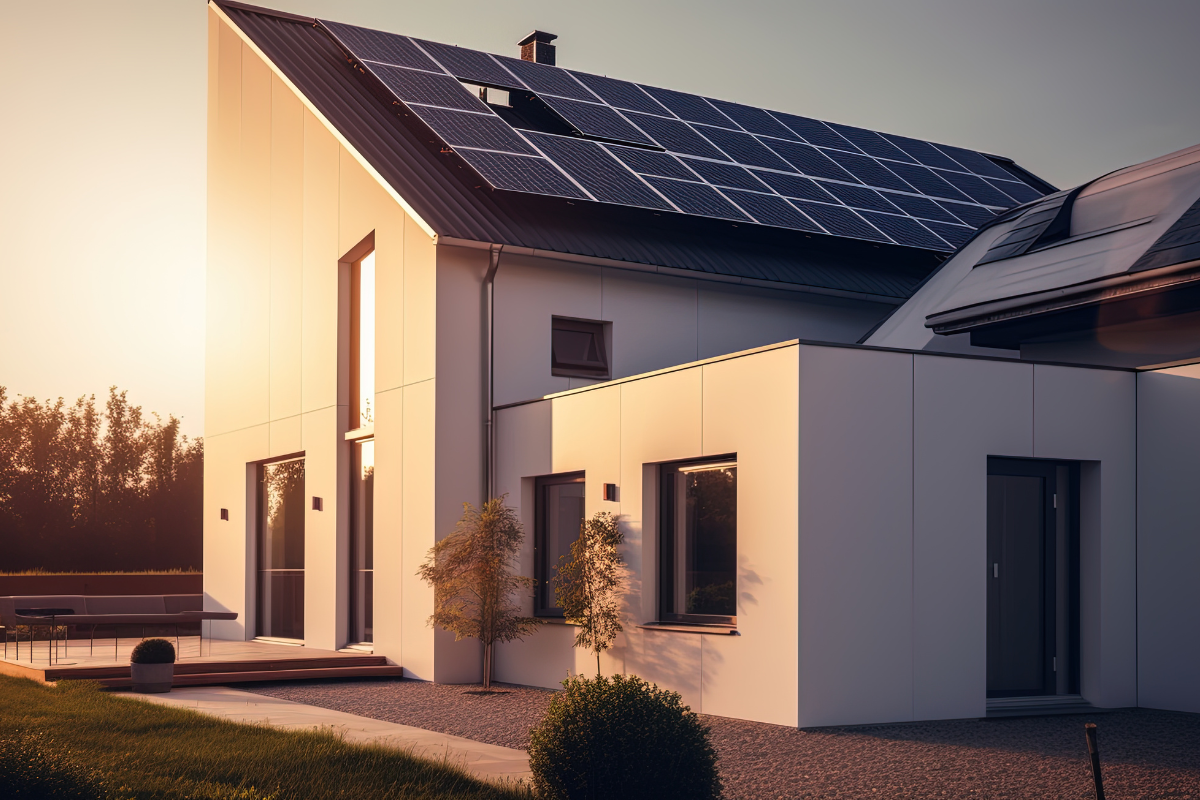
(31, 768)
(153, 651)
(621, 737)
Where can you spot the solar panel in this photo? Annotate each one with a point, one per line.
(521, 173)
(652, 162)
(755, 120)
(859, 197)
(545, 79)
(920, 207)
(923, 152)
(601, 122)
(810, 161)
(1020, 192)
(795, 186)
(470, 65)
(690, 107)
(814, 131)
(697, 198)
(977, 189)
(768, 209)
(926, 181)
(871, 142)
(905, 230)
(605, 178)
(427, 88)
(956, 235)
(725, 175)
(970, 214)
(386, 48)
(676, 136)
(841, 221)
(621, 94)
(869, 171)
(975, 162)
(752, 153)
(743, 148)
(485, 131)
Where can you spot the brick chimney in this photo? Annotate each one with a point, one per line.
(536, 47)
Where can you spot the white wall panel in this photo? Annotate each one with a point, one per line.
(1089, 415)
(964, 411)
(856, 648)
(528, 292)
(1168, 557)
(653, 320)
(229, 544)
(733, 318)
(751, 409)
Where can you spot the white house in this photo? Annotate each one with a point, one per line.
(859, 481)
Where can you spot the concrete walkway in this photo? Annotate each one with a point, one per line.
(486, 761)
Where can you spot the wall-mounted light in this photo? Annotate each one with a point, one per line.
(318, 504)
(225, 514)
(610, 492)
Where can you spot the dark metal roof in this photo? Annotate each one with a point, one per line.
(447, 194)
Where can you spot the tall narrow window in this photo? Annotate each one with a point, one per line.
(558, 518)
(281, 550)
(362, 529)
(698, 541)
(362, 342)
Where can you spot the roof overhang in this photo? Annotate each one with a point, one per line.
(1067, 310)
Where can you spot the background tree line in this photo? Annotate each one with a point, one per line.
(84, 488)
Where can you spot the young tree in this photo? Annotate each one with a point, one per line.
(587, 582)
(471, 572)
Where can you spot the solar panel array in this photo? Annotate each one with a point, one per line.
(664, 150)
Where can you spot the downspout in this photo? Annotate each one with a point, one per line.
(489, 353)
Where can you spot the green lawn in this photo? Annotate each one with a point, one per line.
(84, 738)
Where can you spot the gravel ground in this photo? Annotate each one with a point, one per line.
(1146, 754)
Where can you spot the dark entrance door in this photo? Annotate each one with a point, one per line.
(1028, 541)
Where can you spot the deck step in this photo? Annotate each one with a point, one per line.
(248, 676)
(231, 666)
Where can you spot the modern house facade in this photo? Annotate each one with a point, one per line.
(436, 276)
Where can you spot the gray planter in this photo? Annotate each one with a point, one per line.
(152, 678)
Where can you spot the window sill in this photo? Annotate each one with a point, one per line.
(683, 627)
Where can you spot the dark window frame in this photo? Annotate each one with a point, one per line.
(666, 546)
(601, 370)
(543, 593)
(357, 574)
(261, 561)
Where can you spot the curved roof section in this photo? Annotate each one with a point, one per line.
(607, 186)
(1133, 230)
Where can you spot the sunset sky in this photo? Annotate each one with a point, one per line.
(102, 194)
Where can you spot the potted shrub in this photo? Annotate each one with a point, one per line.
(152, 666)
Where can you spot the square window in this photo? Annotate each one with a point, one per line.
(698, 541)
(578, 349)
(559, 510)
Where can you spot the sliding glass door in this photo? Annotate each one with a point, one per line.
(281, 550)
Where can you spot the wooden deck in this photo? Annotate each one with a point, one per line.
(222, 662)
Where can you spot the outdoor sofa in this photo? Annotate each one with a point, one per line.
(143, 611)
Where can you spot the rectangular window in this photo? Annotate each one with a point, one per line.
(362, 341)
(558, 518)
(698, 541)
(281, 550)
(362, 544)
(578, 349)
